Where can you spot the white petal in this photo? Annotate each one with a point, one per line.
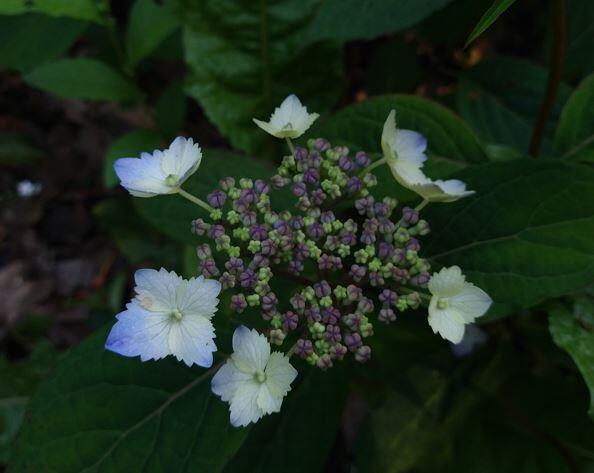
(181, 159)
(251, 350)
(410, 146)
(228, 379)
(156, 290)
(267, 401)
(279, 374)
(139, 332)
(290, 120)
(389, 137)
(244, 404)
(448, 323)
(191, 340)
(200, 297)
(471, 302)
(447, 283)
(142, 177)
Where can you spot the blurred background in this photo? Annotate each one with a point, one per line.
(84, 82)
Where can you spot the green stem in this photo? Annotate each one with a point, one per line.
(422, 205)
(372, 166)
(290, 145)
(195, 200)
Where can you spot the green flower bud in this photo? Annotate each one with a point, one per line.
(370, 249)
(253, 300)
(344, 251)
(216, 214)
(411, 256)
(340, 292)
(276, 321)
(366, 330)
(262, 288)
(401, 235)
(232, 217)
(413, 300)
(375, 264)
(245, 183)
(337, 225)
(298, 178)
(241, 233)
(254, 246)
(234, 193)
(369, 180)
(322, 346)
(326, 301)
(234, 251)
(277, 337)
(361, 256)
(317, 328)
(327, 227)
(264, 274)
(309, 293)
(312, 359)
(309, 221)
(401, 304)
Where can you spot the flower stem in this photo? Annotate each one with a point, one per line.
(422, 205)
(372, 166)
(195, 200)
(290, 145)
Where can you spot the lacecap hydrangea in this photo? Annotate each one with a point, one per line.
(349, 262)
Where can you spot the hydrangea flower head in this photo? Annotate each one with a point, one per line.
(404, 151)
(168, 316)
(161, 172)
(253, 380)
(454, 303)
(290, 120)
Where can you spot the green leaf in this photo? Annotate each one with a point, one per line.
(245, 57)
(86, 79)
(574, 332)
(19, 380)
(574, 137)
(579, 54)
(150, 23)
(527, 233)
(15, 149)
(90, 10)
(501, 97)
(103, 412)
(172, 215)
(27, 41)
(347, 20)
(129, 145)
(498, 7)
(301, 437)
(170, 110)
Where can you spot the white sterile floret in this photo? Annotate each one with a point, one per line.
(454, 303)
(162, 172)
(290, 120)
(404, 151)
(169, 316)
(253, 381)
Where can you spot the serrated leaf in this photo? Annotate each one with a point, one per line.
(173, 215)
(27, 41)
(85, 79)
(500, 99)
(245, 74)
(490, 16)
(90, 10)
(103, 412)
(149, 24)
(129, 145)
(574, 138)
(525, 236)
(574, 332)
(372, 18)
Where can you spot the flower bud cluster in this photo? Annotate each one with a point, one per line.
(355, 259)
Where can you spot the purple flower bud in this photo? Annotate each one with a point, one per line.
(358, 272)
(367, 238)
(278, 182)
(290, 320)
(238, 303)
(300, 154)
(385, 250)
(410, 216)
(227, 280)
(301, 251)
(216, 199)
(324, 362)
(227, 183)
(362, 159)
(321, 144)
(386, 315)
(330, 315)
(296, 222)
(381, 209)
(376, 279)
(388, 297)
(199, 226)
(338, 351)
(354, 185)
(269, 301)
(327, 217)
(209, 268)
(318, 197)
(258, 232)
(315, 231)
(352, 321)
(363, 354)
(248, 278)
(352, 341)
(304, 348)
(331, 242)
(364, 205)
(203, 251)
(348, 238)
(325, 262)
(386, 227)
(295, 267)
(413, 245)
(311, 176)
(299, 189)
(261, 187)
(249, 196)
(400, 275)
(322, 289)
(354, 293)
(240, 205)
(216, 231)
(313, 314)
(281, 227)
(234, 265)
(346, 163)
(303, 203)
(259, 261)
(267, 247)
(341, 150)
(365, 305)
(249, 218)
(399, 256)
(298, 302)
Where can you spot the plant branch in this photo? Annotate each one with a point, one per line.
(555, 72)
